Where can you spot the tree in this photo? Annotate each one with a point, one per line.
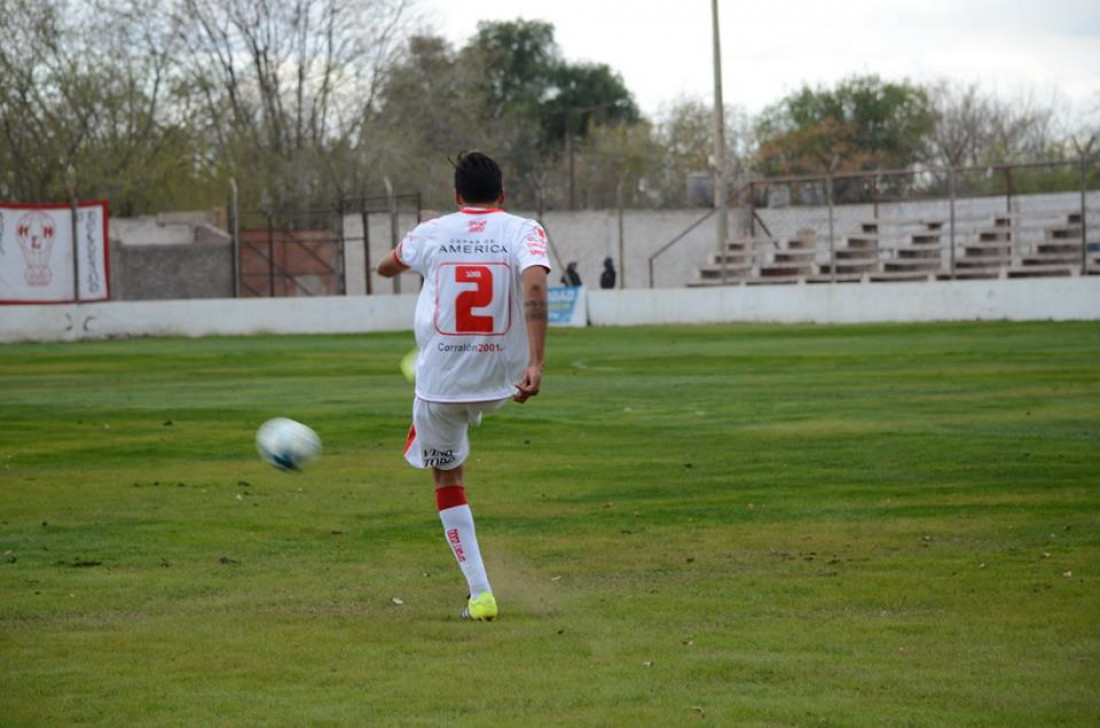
(518, 60)
(534, 99)
(962, 117)
(684, 134)
(431, 106)
(525, 78)
(285, 85)
(617, 162)
(863, 123)
(583, 95)
(973, 128)
(155, 103)
(84, 97)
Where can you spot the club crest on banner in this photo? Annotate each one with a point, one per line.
(35, 233)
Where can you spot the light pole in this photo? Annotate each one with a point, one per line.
(721, 204)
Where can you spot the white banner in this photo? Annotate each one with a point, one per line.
(37, 244)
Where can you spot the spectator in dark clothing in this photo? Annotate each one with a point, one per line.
(572, 277)
(607, 278)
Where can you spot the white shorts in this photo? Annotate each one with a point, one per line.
(438, 436)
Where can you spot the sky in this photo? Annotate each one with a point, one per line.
(1045, 51)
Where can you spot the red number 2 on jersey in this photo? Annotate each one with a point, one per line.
(466, 321)
(473, 299)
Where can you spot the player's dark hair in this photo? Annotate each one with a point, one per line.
(477, 177)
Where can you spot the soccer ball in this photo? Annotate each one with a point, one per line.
(286, 444)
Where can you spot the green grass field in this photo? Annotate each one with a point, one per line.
(735, 526)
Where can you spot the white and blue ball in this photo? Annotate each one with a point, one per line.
(287, 444)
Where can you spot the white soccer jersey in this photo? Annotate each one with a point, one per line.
(470, 325)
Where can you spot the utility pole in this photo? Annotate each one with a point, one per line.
(721, 203)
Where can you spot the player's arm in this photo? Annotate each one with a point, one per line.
(536, 311)
(391, 265)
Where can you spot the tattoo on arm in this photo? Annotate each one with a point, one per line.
(536, 310)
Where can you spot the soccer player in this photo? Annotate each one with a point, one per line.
(481, 331)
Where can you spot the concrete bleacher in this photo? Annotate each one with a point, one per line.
(1004, 245)
(1059, 253)
(918, 257)
(859, 255)
(736, 262)
(984, 251)
(789, 261)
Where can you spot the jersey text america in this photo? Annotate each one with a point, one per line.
(469, 247)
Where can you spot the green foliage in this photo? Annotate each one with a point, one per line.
(616, 167)
(586, 95)
(541, 104)
(507, 91)
(431, 107)
(729, 525)
(862, 123)
(518, 60)
(157, 104)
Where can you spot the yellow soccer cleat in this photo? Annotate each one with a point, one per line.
(483, 608)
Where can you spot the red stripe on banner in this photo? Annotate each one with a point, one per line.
(450, 496)
(411, 437)
(48, 205)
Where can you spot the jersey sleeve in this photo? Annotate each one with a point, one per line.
(411, 250)
(533, 247)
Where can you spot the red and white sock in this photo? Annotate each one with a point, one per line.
(458, 529)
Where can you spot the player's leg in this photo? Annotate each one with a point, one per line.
(459, 529)
(439, 440)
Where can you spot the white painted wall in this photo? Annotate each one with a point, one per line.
(1025, 299)
(207, 317)
(589, 237)
(1056, 299)
(586, 237)
(148, 230)
(168, 228)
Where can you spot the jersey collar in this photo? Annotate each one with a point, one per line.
(478, 210)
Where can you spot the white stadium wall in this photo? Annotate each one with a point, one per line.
(1055, 299)
(584, 236)
(1030, 299)
(207, 317)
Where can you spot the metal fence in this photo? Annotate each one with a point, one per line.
(307, 252)
(1039, 219)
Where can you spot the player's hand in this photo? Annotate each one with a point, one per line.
(528, 386)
